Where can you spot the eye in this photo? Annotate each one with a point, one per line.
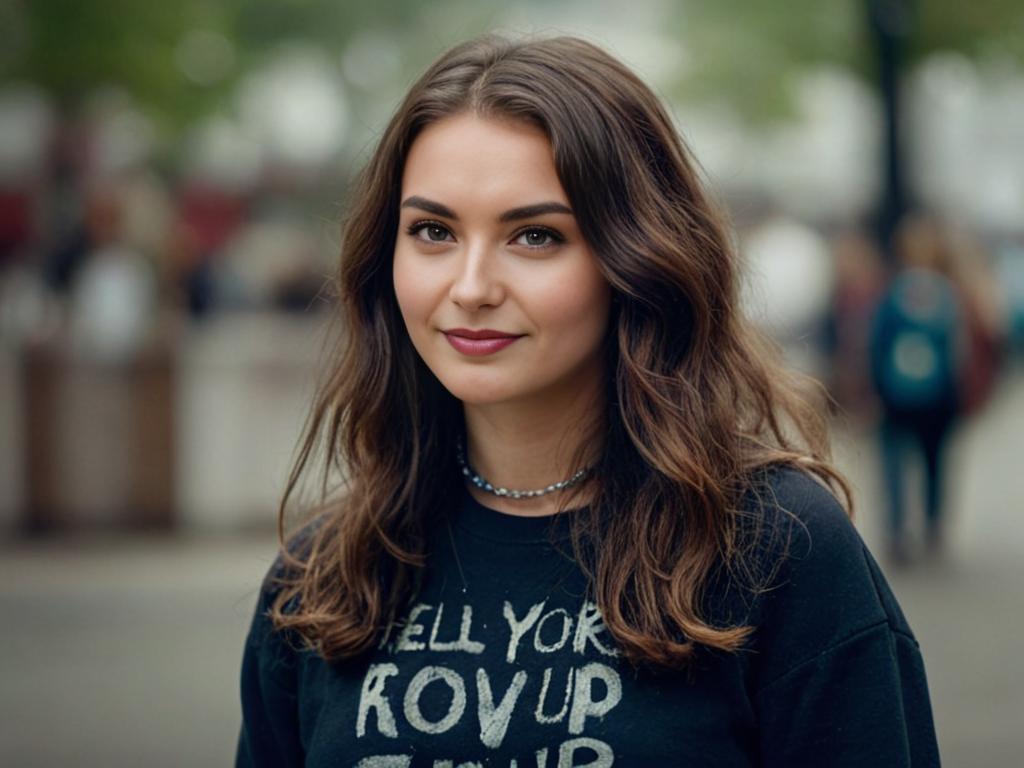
(539, 237)
(434, 232)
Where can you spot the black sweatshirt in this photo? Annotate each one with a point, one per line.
(520, 672)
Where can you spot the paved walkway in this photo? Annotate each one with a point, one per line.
(968, 611)
(125, 652)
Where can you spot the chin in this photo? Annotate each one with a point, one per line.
(471, 395)
(480, 390)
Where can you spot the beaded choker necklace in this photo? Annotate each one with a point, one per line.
(483, 485)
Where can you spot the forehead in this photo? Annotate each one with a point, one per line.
(476, 159)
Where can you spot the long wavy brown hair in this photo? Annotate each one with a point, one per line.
(697, 400)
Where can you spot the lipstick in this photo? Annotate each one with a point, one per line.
(477, 343)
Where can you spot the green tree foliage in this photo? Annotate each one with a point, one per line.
(980, 29)
(70, 47)
(745, 53)
(739, 52)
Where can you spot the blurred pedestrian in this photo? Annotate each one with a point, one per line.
(114, 297)
(588, 517)
(209, 216)
(987, 317)
(920, 352)
(859, 280)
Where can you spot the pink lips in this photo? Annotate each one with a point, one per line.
(478, 343)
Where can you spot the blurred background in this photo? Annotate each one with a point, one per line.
(171, 180)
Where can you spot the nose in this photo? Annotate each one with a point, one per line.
(476, 284)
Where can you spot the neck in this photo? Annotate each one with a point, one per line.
(527, 446)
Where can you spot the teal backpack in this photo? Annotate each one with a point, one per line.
(916, 342)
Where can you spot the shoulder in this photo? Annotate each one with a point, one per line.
(282, 572)
(272, 656)
(826, 587)
(812, 525)
(811, 541)
(297, 546)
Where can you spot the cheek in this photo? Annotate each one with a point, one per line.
(413, 290)
(579, 308)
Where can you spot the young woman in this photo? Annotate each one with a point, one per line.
(586, 518)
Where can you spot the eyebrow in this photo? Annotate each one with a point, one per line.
(513, 214)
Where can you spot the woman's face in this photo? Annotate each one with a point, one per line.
(501, 296)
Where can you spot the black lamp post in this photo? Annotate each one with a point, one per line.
(889, 22)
